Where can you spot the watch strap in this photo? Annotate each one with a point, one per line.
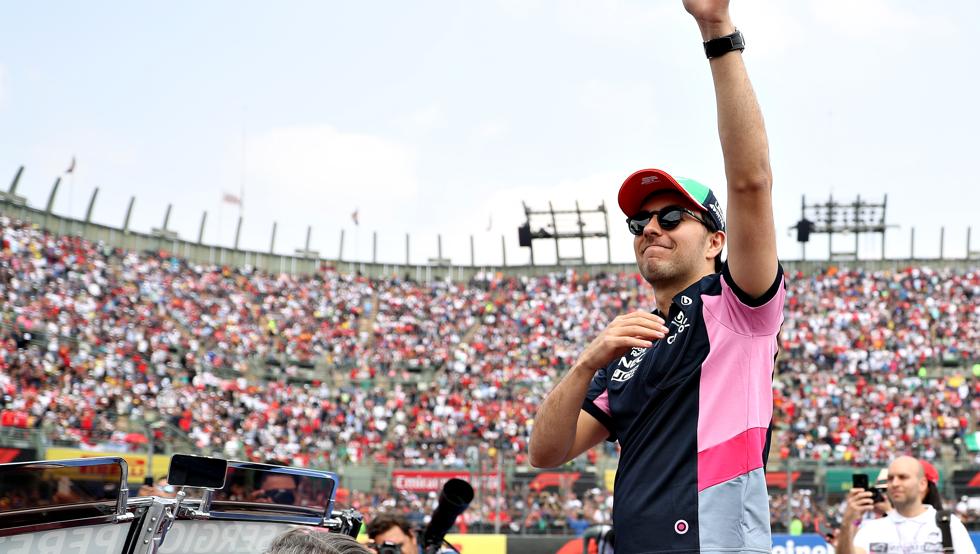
(723, 45)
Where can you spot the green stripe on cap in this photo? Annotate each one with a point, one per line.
(694, 188)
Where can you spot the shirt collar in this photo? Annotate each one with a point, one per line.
(926, 516)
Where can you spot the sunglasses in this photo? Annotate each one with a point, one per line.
(668, 218)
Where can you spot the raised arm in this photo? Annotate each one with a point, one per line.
(751, 229)
(858, 503)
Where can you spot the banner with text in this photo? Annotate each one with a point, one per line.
(428, 481)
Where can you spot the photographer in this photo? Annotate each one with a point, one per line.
(882, 504)
(391, 534)
(910, 527)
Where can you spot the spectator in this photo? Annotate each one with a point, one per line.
(394, 530)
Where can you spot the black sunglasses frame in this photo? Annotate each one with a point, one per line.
(642, 219)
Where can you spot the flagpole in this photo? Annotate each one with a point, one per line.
(221, 206)
(241, 188)
(71, 192)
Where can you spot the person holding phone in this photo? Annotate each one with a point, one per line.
(687, 389)
(910, 527)
(881, 503)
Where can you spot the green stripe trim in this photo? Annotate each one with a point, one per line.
(695, 189)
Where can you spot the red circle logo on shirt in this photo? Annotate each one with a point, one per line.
(681, 527)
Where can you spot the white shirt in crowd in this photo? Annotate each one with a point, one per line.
(907, 535)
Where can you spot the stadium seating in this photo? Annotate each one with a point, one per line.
(436, 374)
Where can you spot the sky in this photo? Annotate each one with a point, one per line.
(438, 118)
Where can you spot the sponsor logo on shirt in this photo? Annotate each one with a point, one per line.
(906, 549)
(681, 322)
(628, 365)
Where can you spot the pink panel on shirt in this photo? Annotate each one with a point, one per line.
(602, 402)
(736, 377)
(736, 456)
(746, 320)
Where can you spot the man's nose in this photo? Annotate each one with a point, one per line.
(653, 227)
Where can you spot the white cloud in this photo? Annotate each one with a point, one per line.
(491, 130)
(324, 163)
(424, 120)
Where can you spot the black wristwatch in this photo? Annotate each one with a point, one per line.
(723, 45)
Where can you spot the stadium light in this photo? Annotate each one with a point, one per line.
(526, 235)
(835, 217)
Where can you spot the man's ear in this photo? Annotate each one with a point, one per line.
(716, 243)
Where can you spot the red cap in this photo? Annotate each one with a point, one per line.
(932, 475)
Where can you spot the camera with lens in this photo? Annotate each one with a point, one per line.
(387, 547)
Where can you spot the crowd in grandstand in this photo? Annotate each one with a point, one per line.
(92, 335)
(520, 509)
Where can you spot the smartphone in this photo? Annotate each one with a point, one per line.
(860, 481)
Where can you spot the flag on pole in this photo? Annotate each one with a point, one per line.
(231, 199)
(354, 217)
(71, 166)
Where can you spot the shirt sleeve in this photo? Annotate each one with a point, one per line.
(962, 543)
(750, 316)
(596, 402)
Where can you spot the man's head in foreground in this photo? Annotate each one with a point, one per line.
(907, 485)
(678, 226)
(311, 541)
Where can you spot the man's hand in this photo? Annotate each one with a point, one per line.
(858, 503)
(707, 10)
(562, 429)
(712, 17)
(635, 330)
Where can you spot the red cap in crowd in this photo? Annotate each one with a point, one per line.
(932, 474)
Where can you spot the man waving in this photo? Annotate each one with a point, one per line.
(687, 389)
